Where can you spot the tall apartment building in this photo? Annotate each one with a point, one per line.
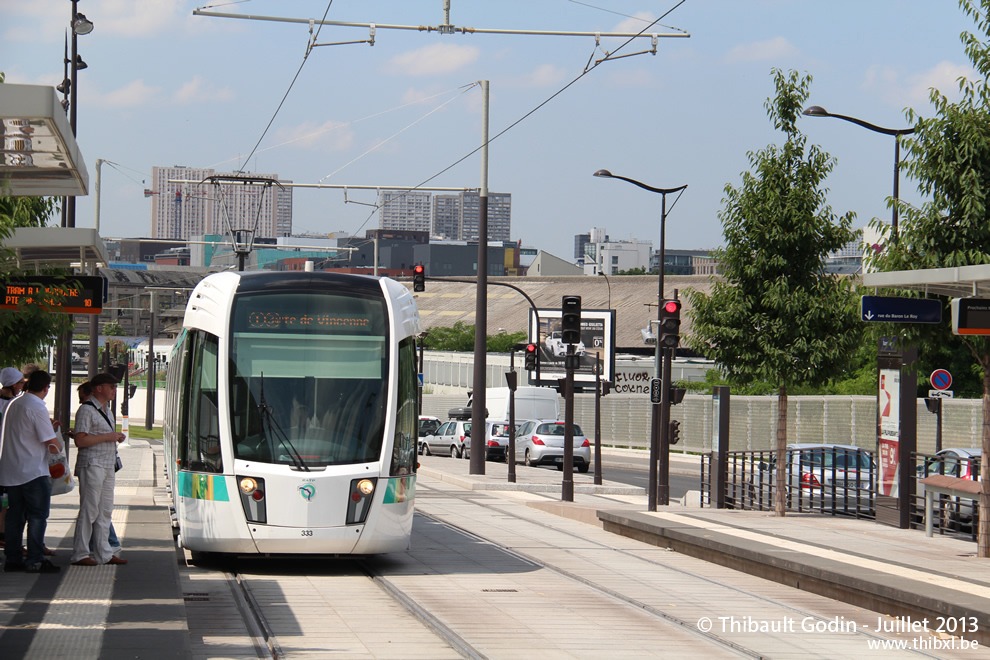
(456, 217)
(179, 210)
(182, 210)
(283, 211)
(404, 210)
(447, 217)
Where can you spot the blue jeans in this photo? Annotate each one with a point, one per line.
(112, 538)
(27, 504)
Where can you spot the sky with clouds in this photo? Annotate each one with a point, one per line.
(165, 87)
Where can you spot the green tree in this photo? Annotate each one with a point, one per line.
(777, 316)
(949, 156)
(28, 330)
(113, 329)
(460, 337)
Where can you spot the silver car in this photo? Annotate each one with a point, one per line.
(541, 442)
(496, 441)
(956, 462)
(820, 473)
(448, 440)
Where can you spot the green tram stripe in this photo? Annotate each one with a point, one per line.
(401, 489)
(203, 486)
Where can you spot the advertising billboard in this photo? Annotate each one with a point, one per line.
(595, 351)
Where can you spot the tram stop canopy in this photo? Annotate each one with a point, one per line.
(957, 282)
(64, 247)
(39, 156)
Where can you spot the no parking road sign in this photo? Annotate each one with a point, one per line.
(941, 379)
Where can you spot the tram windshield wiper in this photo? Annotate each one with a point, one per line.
(270, 428)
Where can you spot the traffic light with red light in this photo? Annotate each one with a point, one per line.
(670, 323)
(419, 278)
(532, 357)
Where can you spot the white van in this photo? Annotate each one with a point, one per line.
(531, 403)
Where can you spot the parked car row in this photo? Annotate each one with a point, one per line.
(538, 441)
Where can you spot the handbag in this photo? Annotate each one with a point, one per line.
(58, 471)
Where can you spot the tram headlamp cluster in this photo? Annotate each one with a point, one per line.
(253, 499)
(249, 486)
(362, 492)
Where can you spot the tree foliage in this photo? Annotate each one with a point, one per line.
(460, 337)
(27, 331)
(777, 316)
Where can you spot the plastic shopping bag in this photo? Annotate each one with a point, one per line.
(58, 470)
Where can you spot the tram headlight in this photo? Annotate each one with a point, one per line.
(253, 499)
(359, 501)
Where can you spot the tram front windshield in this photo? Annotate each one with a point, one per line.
(308, 378)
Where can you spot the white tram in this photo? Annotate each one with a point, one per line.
(291, 415)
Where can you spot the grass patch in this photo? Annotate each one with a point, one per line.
(138, 431)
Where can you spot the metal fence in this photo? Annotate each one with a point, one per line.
(851, 420)
(818, 481)
(828, 480)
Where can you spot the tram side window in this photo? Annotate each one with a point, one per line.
(176, 426)
(407, 417)
(203, 420)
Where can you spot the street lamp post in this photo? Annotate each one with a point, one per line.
(818, 111)
(79, 24)
(659, 490)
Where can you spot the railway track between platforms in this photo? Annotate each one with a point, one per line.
(427, 602)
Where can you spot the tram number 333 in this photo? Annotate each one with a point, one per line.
(306, 532)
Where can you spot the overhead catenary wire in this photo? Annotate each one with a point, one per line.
(343, 125)
(629, 36)
(560, 91)
(464, 89)
(286, 95)
(619, 13)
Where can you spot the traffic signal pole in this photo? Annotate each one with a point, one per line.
(479, 410)
(567, 487)
(668, 337)
(663, 489)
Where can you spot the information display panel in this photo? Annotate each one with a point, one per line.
(85, 293)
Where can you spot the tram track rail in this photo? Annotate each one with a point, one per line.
(432, 622)
(689, 625)
(265, 638)
(448, 631)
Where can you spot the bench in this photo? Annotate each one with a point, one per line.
(940, 484)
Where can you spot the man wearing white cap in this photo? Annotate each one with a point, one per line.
(11, 383)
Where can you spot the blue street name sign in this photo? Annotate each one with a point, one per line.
(882, 309)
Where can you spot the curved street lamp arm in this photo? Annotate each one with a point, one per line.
(662, 191)
(818, 111)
